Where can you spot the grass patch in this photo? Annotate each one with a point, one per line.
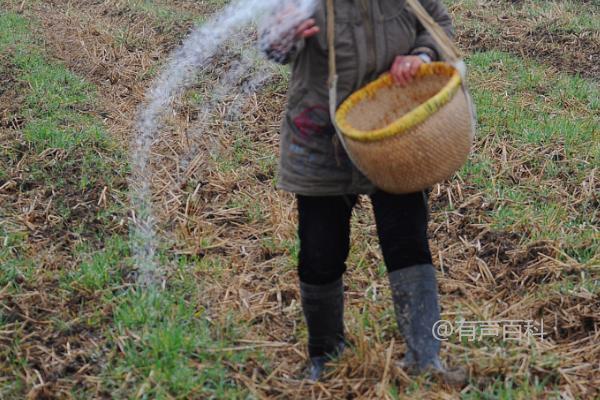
(64, 179)
(505, 389)
(543, 125)
(171, 349)
(102, 269)
(61, 156)
(169, 12)
(562, 16)
(164, 344)
(56, 101)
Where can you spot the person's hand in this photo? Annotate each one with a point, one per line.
(306, 29)
(277, 42)
(405, 68)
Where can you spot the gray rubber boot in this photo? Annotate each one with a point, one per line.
(323, 307)
(414, 290)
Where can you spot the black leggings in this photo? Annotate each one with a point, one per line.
(324, 231)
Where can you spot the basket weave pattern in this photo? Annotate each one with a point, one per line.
(407, 139)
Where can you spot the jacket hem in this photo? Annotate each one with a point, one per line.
(323, 191)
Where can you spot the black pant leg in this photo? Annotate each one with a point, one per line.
(402, 228)
(324, 232)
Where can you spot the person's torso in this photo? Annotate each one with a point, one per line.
(369, 34)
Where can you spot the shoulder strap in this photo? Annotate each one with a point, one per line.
(331, 39)
(446, 46)
(448, 49)
(331, 54)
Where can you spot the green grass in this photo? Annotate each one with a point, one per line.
(170, 349)
(508, 389)
(566, 16)
(14, 263)
(65, 157)
(99, 270)
(159, 10)
(56, 98)
(166, 13)
(571, 285)
(55, 107)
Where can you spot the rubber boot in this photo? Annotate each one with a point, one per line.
(323, 307)
(414, 291)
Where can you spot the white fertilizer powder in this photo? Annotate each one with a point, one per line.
(199, 50)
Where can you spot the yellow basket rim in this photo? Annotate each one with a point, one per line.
(408, 120)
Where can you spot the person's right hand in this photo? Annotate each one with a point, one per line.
(405, 68)
(283, 32)
(307, 29)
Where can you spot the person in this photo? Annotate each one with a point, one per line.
(371, 37)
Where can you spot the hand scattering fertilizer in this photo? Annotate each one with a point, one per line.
(199, 50)
(282, 30)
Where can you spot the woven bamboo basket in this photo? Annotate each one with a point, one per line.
(405, 139)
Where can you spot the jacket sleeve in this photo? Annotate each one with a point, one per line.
(424, 42)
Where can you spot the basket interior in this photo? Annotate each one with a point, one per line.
(387, 104)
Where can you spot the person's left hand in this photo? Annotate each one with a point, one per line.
(404, 69)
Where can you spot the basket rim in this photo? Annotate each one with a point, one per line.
(408, 120)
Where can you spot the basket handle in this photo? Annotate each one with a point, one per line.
(331, 54)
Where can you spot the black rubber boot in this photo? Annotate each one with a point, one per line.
(414, 290)
(323, 307)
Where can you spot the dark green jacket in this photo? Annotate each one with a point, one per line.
(369, 35)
